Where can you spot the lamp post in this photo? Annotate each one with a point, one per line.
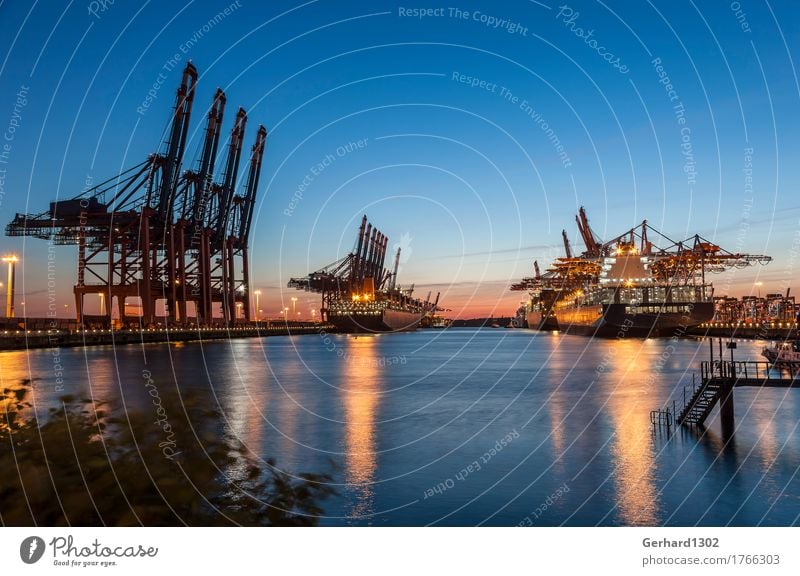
(257, 293)
(294, 305)
(759, 285)
(12, 270)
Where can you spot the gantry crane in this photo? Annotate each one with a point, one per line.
(159, 232)
(679, 263)
(361, 272)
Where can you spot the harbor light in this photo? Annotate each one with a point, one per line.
(12, 260)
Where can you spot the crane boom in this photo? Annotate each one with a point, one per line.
(176, 144)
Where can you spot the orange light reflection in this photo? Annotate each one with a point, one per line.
(632, 449)
(361, 402)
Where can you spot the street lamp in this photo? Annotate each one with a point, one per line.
(313, 315)
(102, 303)
(759, 284)
(12, 269)
(238, 310)
(257, 293)
(294, 305)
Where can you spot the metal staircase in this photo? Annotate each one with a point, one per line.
(701, 403)
(714, 376)
(719, 378)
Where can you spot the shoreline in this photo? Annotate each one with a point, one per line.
(745, 332)
(37, 339)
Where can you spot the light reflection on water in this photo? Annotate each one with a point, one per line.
(633, 452)
(361, 395)
(395, 430)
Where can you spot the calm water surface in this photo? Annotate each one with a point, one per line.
(466, 427)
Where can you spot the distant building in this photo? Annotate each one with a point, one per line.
(774, 308)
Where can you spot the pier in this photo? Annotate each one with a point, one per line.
(719, 378)
(25, 339)
(753, 330)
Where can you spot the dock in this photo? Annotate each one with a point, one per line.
(58, 338)
(749, 330)
(719, 378)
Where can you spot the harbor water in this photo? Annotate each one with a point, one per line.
(468, 427)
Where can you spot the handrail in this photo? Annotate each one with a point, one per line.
(736, 369)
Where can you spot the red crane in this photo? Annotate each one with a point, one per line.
(158, 233)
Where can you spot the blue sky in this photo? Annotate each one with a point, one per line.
(469, 179)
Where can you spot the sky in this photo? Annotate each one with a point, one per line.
(470, 135)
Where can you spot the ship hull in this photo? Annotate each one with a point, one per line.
(782, 358)
(540, 321)
(386, 321)
(617, 320)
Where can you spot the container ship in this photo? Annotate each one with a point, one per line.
(359, 295)
(628, 286)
